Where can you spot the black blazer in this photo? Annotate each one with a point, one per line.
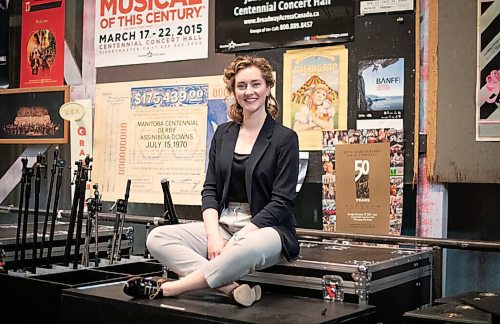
(271, 178)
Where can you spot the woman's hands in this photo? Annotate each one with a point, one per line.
(215, 241)
(215, 245)
(250, 227)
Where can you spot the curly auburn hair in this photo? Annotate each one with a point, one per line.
(235, 111)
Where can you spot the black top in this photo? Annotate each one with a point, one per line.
(271, 178)
(237, 185)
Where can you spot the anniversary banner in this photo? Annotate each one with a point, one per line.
(253, 24)
(149, 130)
(42, 43)
(363, 181)
(136, 32)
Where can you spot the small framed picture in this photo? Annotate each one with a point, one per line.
(31, 115)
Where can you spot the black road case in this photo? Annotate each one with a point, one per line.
(393, 279)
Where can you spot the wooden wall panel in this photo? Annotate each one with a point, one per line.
(457, 157)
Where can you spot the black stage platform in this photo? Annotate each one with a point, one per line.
(108, 304)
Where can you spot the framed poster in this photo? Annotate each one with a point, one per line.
(31, 116)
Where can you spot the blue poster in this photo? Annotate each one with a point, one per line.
(380, 88)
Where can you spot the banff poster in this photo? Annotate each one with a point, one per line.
(137, 32)
(42, 43)
(366, 194)
(315, 93)
(380, 88)
(244, 25)
(488, 83)
(149, 130)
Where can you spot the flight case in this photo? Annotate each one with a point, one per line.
(393, 279)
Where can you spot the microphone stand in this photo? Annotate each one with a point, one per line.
(94, 205)
(60, 167)
(74, 210)
(27, 196)
(24, 161)
(38, 177)
(98, 208)
(121, 210)
(169, 215)
(81, 205)
(49, 198)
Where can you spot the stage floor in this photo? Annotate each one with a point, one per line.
(108, 304)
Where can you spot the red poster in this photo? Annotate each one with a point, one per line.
(42, 43)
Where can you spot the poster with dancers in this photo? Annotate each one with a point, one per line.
(42, 43)
(488, 74)
(315, 93)
(366, 194)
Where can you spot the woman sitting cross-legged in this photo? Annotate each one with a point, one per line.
(247, 199)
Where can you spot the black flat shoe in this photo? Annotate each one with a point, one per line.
(139, 287)
(245, 296)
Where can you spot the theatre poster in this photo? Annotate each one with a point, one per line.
(137, 32)
(315, 93)
(42, 43)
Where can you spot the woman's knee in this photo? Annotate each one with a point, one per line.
(157, 237)
(151, 239)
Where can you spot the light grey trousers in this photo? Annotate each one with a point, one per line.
(183, 248)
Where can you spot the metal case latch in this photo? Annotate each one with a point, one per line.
(362, 283)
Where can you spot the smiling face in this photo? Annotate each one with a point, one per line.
(251, 90)
(318, 96)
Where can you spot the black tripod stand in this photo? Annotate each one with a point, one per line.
(82, 175)
(39, 165)
(24, 161)
(60, 165)
(49, 198)
(121, 210)
(169, 214)
(94, 206)
(27, 196)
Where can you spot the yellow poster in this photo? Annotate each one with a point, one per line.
(152, 130)
(315, 93)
